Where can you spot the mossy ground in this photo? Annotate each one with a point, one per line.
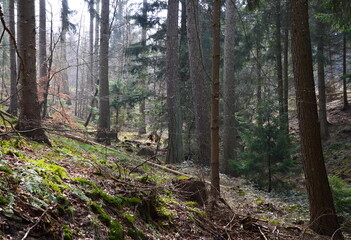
(84, 190)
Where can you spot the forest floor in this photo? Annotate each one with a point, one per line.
(78, 189)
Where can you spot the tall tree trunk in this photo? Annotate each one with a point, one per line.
(278, 57)
(229, 84)
(13, 65)
(331, 60)
(77, 70)
(185, 86)
(94, 102)
(216, 51)
(259, 72)
(96, 42)
(346, 103)
(65, 27)
(29, 120)
(48, 71)
(323, 218)
(200, 87)
(321, 82)
(286, 70)
(104, 100)
(142, 127)
(43, 66)
(91, 82)
(175, 139)
(184, 74)
(269, 160)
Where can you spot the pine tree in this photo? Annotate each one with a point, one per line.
(229, 85)
(323, 218)
(175, 139)
(104, 98)
(13, 65)
(29, 121)
(200, 86)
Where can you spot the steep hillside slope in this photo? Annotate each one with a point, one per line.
(75, 190)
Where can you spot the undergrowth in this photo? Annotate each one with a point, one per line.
(64, 178)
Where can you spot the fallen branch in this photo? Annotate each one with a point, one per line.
(35, 224)
(7, 114)
(83, 140)
(141, 164)
(264, 236)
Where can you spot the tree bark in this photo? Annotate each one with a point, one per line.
(216, 50)
(229, 84)
(13, 66)
(321, 82)
(323, 218)
(175, 139)
(104, 101)
(29, 122)
(200, 84)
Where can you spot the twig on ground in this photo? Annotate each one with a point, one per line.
(264, 236)
(7, 114)
(141, 164)
(35, 224)
(336, 231)
(230, 222)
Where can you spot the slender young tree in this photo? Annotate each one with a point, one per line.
(95, 68)
(286, 68)
(104, 99)
(78, 98)
(91, 9)
(29, 121)
(323, 219)
(200, 84)
(259, 72)
(142, 128)
(278, 58)
(97, 38)
(216, 50)
(344, 83)
(13, 66)
(65, 25)
(229, 83)
(321, 81)
(175, 140)
(42, 51)
(49, 63)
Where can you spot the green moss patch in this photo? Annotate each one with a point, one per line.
(67, 233)
(116, 231)
(6, 170)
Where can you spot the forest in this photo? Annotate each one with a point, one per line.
(175, 119)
